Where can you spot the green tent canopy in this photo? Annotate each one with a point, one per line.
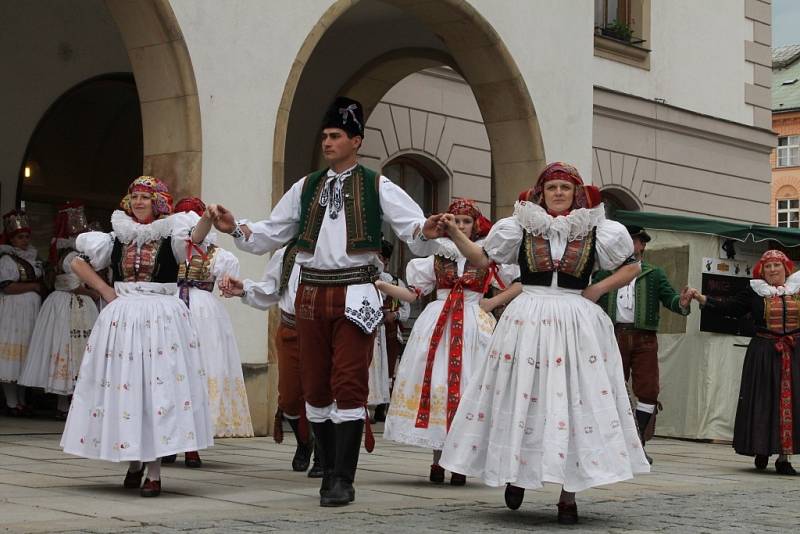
(788, 237)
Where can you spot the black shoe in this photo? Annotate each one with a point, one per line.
(567, 513)
(785, 468)
(302, 455)
(457, 479)
(648, 458)
(761, 461)
(380, 413)
(325, 451)
(348, 446)
(514, 496)
(437, 474)
(133, 479)
(169, 459)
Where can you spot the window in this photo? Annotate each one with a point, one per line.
(789, 151)
(621, 31)
(789, 213)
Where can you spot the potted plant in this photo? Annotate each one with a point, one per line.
(618, 30)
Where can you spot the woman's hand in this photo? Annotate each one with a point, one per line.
(488, 305)
(223, 218)
(592, 293)
(696, 295)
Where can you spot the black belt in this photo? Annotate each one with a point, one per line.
(366, 274)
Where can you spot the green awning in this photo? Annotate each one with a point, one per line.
(788, 237)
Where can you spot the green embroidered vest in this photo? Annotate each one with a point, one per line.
(362, 209)
(287, 265)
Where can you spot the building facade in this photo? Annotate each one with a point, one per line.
(224, 100)
(785, 158)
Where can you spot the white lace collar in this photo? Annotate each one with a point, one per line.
(447, 249)
(30, 254)
(127, 230)
(763, 289)
(535, 219)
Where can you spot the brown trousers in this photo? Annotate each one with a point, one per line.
(334, 352)
(639, 350)
(290, 389)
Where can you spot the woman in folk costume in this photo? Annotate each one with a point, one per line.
(548, 403)
(448, 339)
(278, 287)
(66, 318)
(20, 287)
(381, 368)
(768, 413)
(141, 390)
(227, 396)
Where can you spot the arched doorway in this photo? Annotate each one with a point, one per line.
(396, 38)
(618, 198)
(86, 147)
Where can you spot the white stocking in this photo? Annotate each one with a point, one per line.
(154, 470)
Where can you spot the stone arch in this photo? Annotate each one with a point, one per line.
(172, 148)
(617, 197)
(468, 43)
(786, 191)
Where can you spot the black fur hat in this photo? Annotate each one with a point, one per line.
(347, 114)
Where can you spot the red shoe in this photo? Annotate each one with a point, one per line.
(150, 488)
(133, 479)
(192, 459)
(437, 474)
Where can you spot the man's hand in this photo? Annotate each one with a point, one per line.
(592, 293)
(222, 217)
(686, 297)
(231, 287)
(432, 227)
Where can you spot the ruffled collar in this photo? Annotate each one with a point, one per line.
(578, 224)
(447, 249)
(129, 231)
(763, 289)
(30, 254)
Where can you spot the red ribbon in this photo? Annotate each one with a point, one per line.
(784, 344)
(454, 309)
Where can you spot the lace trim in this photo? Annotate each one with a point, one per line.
(447, 249)
(127, 230)
(763, 289)
(577, 225)
(30, 254)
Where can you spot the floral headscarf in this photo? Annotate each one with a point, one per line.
(162, 200)
(190, 204)
(586, 196)
(464, 206)
(771, 256)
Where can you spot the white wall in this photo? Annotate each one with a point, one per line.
(697, 59)
(48, 47)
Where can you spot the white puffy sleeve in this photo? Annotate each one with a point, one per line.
(96, 246)
(614, 245)
(264, 294)
(181, 225)
(503, 242)
(66, 264)
(8, 269)
(225, 263)
(507, 273)
(279, 228)
(421, 275)
(404, 312)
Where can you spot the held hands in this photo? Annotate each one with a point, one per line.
(221, 217)
(108, 294)
(433, 227)
(231, 287)
(686, 297)
(693, 293)
(592, 293)
(487, 305)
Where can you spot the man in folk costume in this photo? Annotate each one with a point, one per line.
(336, 215)
(634, 310)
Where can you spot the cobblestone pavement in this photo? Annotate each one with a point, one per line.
(246, 485)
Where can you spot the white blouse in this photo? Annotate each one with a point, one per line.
(266, 293)
(613, 246)
(97, 246)
(9, 270)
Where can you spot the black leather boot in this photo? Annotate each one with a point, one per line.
(642, 418)
(302, 455)
(348, 446)
(316, 470)
(325, 451)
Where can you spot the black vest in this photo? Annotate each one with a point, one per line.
(164, 269)
(574, 268)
